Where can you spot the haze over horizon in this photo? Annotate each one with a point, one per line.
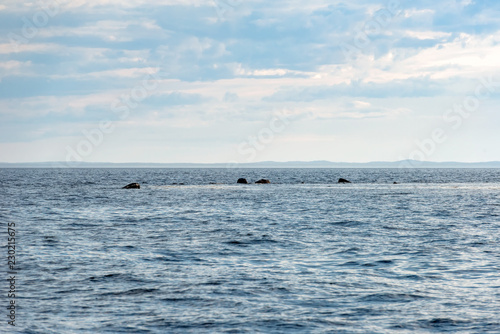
(232, 81)
(404, 164)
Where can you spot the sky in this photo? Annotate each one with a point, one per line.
(233, 81)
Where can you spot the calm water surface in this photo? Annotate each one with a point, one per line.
(301, 255)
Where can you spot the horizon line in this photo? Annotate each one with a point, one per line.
(236, 164)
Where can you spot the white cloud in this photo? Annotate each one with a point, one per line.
(428, 34)
(9, 48)
(418, 12)
(14, 64)
(279, 72)
(64, 5)
(361, 104)
(134, 73)
(468, 56)
(15, 68)
(109, 30)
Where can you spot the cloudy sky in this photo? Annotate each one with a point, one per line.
(244, 81)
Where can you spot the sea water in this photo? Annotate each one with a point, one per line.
(303, 254)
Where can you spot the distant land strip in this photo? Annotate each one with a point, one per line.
(262, 164)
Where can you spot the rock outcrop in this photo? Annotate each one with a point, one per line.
(263, 181)
(341, 180)
(242, 181)
(132, 186)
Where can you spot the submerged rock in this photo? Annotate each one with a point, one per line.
(242, 181)
(341, 180)
(263, 181)
(132, 186)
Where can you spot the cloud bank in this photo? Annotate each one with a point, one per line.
(201, 81)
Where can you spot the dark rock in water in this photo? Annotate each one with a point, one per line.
(242, 181)
(263, 181)
(341, 180)
(132, 186)
(395, 183)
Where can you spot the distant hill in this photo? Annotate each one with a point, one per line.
(263, 164)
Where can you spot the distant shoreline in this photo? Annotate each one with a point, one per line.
(265, 164)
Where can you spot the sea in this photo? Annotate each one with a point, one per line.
(192, 251)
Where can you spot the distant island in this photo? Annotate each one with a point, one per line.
(262, 164)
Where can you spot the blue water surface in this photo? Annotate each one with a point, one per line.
(300, 255)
